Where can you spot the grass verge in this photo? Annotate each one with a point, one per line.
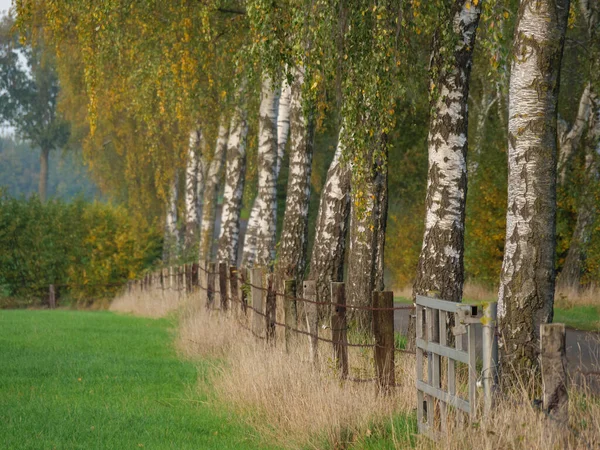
(73, 379)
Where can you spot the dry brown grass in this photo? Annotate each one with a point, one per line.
(294, 404)
(570, 297)
(283, 395)
(155, 303)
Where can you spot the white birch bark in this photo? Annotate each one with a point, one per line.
(259, 242)
(526, 294)
(235, 176)
(171, 239)
(367, 240)
(191, 192)
(291, 260)
(211, 191)
(569, 140)
(327, 258)
(440, 266)
(283, 123)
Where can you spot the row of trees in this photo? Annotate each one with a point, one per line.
(193, 86)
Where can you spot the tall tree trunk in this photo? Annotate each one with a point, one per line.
(569, 139)
(327, 258)
(367, 238)
(192, 178)
(587, 211)
(259, 242)
(171, 238)
(526, 294)
(440, 266)
(588, 111)
(211, 192)
(43, 183)
(291, 260)
(235, 176)
(283, 123)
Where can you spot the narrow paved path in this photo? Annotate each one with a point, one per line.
(583, 349)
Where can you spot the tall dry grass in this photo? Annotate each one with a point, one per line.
(295, 404)
(155, 303)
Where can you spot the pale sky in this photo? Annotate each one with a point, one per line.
(4, 5)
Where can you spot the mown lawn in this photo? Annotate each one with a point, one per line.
(96, 380)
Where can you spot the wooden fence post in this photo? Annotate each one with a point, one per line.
(223, 285)
(383, 329)
(490, 355)
(171, 278)
(210, 284)
(270, 309)
(234, 294)
(51, 297)
(312, 319)
(257, 299)
(290, 311)
(339, 328)
(194, 277)
(244, 290)
(554, 371)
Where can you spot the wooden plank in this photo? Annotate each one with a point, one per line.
(383, 329)
(233, 287)
(435, 303)
(52, 297)
(270, 309)
(419, 363)
(554, 371)
(223, 286)
(290, 312)
(210, 284)
(339, 327)
(443, 340)
(452, 400)
(429, 399)
(471, 350)
(257, 300)
(312, 320)
(448, 352)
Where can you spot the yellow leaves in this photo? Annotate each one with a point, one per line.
(505, 14)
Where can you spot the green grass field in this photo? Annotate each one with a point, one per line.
(97, 380)
(585, 318)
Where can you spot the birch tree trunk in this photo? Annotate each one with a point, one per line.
(569, 140)
(526, 294)
(367, 239)
(291, 260)
(327, 258)
(192, 178)
(283, 123)
(440, 266)
(588, 111)
(259, 242)
(235, 176)
(211, 191)
(587, 211)
(171, 238)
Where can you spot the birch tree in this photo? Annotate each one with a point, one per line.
(259, 242)
(526, 294)
(235, 176)
(171, 238)
(291, 260)
(440, 266)
(368, 216)
(194, 185)
(283, 122)
(327, 258)
(211, 191)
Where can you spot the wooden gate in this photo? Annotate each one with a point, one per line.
(451, 383)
